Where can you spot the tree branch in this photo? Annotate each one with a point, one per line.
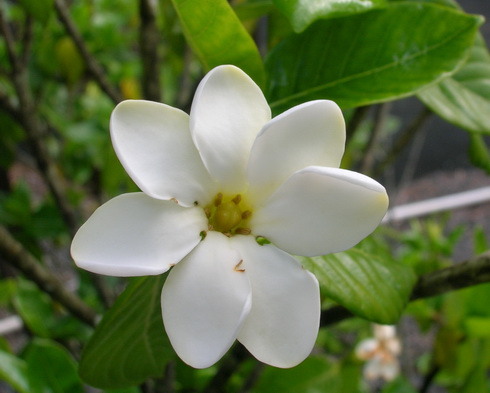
(35, 129)
(149, 39)
(92, 64)
(16, 255)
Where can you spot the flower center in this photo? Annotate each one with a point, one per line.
(228, 215)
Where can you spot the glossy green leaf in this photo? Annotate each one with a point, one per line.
(129, 345)
(52, 368)
(14, 371)
(479, 152)
(302, 13)
(35, 308)
(369, 287)
(217, 36)
(354, 61)
(464, 98)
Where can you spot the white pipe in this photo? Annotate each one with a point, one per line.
(434, 205)
(10, 324)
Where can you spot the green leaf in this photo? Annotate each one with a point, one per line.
(477, 327)
(302, 13)
(217, 36)
(39, 9)
(35, 308)
(372, 288)
(129, 345)
(14, 371)
(372, 57)
(51, 368)
(463, 99)
(479, 152)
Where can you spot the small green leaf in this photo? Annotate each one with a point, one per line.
(35, 308)
(463, 99)
(14, 371)
(302, 13)
(369, 287)
(130, 344)
(217, 36)
(52, 368)
(479, 152)
(372, 57)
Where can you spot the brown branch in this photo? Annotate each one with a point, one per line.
(16, 255)
(148, 42)
(35, 129)
(92, 64)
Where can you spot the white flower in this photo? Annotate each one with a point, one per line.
(381, 352)
(212, 183)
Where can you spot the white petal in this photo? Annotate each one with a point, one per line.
(309, 134)
(227, 113)
(154, 144)
(321, 210)
(204, 301)
(135, 235)
(283, 323)
(366, 349)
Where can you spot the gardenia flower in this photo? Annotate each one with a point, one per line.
(381, 353)
(217, 184)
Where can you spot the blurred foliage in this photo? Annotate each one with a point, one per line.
(54, 136)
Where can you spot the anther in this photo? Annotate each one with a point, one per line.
(246, 214)
(218, 199)
(207, 212)
(243, 231)
(237, 267)
(237, 199)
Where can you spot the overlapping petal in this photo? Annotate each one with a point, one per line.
(135, 235)
(227, 113)
(321, 210)
(154, 145)
(283, 323)
(309, 134)
(205, 300)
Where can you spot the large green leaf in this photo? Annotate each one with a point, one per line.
(217, 36)
(14, 371)
(368, 286)
(302, 13)
(130, 344)
(371, 57)
(51, 368)
(464, 98)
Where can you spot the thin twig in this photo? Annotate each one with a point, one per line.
(379, 123)
(149, 40)
(404, 139)
(185, 84)
(355, 121)
(26, 41)
(92, 64)
(16, 255)
(35, 129)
